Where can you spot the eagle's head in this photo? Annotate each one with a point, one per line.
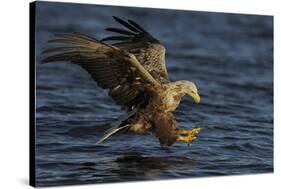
(188, 88)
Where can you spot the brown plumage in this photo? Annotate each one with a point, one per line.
(133, 71)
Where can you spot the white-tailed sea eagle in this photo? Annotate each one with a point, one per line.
(133, 71)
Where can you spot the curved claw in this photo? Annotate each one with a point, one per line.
(190, 135)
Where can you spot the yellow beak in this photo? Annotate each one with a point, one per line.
(196, 98)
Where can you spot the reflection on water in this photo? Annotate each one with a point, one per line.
(141, 167)
(228, 56)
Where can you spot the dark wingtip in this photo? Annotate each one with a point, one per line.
(120, 31)
(127, 24)
(116, 18)
(136, 25)
(115, 38)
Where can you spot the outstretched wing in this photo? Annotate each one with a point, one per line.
(148, 50)
(112, 68)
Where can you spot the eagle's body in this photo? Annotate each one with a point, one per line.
(135, 74)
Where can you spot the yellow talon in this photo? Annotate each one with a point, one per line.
(190, 135)
(186, 139)
(193, 131)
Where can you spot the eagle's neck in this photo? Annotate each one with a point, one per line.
(168, 99)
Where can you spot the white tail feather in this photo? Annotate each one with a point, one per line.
(116, 127)
(111, 132)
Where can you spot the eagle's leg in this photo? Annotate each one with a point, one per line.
(187, 136)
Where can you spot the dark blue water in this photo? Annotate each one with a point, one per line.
(228, 56)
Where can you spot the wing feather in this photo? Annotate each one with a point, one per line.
(117, 30)
(112, 68)
(127, 25)
(147, 49)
